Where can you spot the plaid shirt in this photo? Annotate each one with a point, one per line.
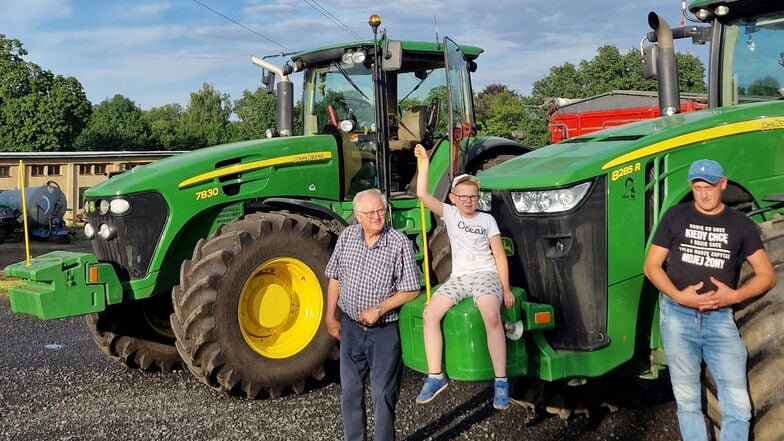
(368, 275)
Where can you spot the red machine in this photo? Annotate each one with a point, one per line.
(570, 118)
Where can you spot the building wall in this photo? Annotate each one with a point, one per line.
(74, 172)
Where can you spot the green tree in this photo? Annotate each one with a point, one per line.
(691, 73)
(609, 70)
(765, 86)
(39, 111)
(501, 111)
(256, 112)
(562, 81)
(116, 124)
(166, 131)
(206, 118)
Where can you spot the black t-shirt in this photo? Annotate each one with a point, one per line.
(703, 245)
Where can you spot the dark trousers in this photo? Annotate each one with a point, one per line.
(374, 351)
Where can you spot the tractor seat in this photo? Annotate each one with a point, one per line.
(411, 129)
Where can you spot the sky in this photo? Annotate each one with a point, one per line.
(159, 52)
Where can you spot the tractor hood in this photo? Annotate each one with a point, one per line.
(583, 158)
(241, 162)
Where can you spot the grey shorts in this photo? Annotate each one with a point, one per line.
(475, 284)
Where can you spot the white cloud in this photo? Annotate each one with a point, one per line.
(23, 13)
(158, 52)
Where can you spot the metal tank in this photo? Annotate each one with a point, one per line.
(43, 203)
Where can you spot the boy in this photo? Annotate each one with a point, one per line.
(479, 269)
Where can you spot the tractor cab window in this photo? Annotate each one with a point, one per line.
(753, 60)
(461, 118)
(339, 102)
(343, 93)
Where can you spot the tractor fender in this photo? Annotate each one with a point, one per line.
(308, 207)
(329, 219)
(486, 147)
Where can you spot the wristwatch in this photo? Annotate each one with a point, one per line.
(378, 309)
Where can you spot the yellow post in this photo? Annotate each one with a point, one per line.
(424, 247)
(24, 212)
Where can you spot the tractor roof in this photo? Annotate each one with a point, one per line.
(737, 8)
(411, 49)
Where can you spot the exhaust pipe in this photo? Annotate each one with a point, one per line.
(666, 66)
(285, 96)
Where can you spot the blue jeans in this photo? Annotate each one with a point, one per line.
(375, 351)
(690, 337)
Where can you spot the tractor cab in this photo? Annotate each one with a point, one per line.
(378, 111)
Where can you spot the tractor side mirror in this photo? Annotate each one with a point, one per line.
(393, 55)
(268, 80)
(649, 56)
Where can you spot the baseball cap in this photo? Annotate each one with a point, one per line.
(706, 170)
(464, 178)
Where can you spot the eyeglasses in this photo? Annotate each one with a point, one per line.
(380, 212)
(466, 197)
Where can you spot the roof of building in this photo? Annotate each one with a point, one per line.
(89, 154)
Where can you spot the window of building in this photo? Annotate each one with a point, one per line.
(131, 165)
(85, 169)
(5, 171)
(53, 170)
(38, 170)
(99, 169)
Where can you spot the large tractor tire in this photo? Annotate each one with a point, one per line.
(137, 334)
(248, 312)
(761, 324)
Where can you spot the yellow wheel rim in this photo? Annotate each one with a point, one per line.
(280, 308)
(158, 320)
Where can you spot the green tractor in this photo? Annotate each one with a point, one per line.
(581, 214)
(214, 259)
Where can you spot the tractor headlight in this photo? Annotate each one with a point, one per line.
(347, 125)
(116, 206)
(89, 231)
(485, 201)
(107, 232)
(119, 206)
(549, 201)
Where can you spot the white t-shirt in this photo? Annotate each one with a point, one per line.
(470, 240)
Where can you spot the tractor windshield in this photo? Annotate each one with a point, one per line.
(753, 59)
(341, 91)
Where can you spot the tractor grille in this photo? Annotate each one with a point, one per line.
(138, 233)
(561, 260)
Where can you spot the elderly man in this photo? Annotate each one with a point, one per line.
(704, 243)
(372, 272)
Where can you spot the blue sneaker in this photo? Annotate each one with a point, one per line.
(501, 397)
(431, 388)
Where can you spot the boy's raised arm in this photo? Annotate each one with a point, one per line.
(428, 199)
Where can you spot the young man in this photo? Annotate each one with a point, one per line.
(479, 269)
(703, 244)
(372, 272)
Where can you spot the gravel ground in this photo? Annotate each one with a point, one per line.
(55, 384)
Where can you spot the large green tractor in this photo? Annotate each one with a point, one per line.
(581, 214)
(214, 259)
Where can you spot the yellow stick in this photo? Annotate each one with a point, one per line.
(24, 212)
(424, 247)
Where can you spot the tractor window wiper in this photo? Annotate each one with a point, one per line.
(421, 80)
(348, 78)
